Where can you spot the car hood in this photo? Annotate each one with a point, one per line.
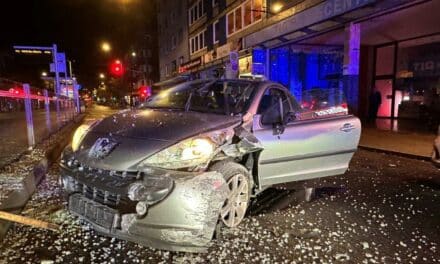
(139, 134)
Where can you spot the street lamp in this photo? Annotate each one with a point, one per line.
(44, 74)
(101, 76)
(276, 7)
(105, 46)
(133, 54)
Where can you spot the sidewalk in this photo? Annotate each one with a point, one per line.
(18, 180)
(409, 143)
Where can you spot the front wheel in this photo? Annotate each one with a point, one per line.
(238, 180)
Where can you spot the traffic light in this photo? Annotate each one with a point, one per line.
(116, 68)
(16, 91)
(144, 91)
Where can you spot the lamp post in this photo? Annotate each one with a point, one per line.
(105, 46)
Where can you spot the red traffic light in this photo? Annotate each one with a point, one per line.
(16, 91)
(145, 91)
(116, 68)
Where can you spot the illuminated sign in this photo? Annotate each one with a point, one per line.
(32, 51)
(245, 65)
(190, 65)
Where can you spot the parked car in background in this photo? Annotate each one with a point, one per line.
(436, 151)
(166, 174)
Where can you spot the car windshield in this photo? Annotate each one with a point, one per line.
(209, 96)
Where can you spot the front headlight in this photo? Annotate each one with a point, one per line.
(188, 153)
(80, 133)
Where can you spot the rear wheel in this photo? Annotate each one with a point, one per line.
(235, 206)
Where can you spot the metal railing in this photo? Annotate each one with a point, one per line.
(28, 115)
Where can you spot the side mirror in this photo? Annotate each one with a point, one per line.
(278, 128)
(289, 117)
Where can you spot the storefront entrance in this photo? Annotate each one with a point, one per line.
(399, 62)
(302, 68)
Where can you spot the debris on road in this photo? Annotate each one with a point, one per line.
(28, 221)
(377, 210)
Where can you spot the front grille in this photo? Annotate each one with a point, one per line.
(101, 196)
(99, 214)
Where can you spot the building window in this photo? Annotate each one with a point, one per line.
(173, 66)
(247, 13)
(230, 22)
(215, 31)
(197, 42)
(244, 15)
(256, 5)
(173, 42)
(196, 11)
(180, 35)
(238, 19)
(214, 3)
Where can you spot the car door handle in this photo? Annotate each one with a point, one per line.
(347, 127)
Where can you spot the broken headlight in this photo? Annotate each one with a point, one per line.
(188, 153)
(80, 133)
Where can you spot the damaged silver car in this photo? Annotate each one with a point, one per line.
(190, 159)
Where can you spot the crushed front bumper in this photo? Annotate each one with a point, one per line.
(184, 220)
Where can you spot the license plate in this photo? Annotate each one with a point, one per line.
(92, 211)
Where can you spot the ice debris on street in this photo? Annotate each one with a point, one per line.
(373, 214)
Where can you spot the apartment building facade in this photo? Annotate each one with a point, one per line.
(172, 36)
(356, 46)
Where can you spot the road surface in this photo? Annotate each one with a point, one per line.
(13, 131)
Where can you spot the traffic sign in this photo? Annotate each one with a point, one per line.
(61, 63)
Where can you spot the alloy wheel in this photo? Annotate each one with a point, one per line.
(234, 209)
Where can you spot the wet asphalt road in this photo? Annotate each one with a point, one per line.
(385, 209)
(13, 131)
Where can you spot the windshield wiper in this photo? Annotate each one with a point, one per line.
(188, 101)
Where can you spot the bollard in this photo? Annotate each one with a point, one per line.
(76, 97)
(29, 120)
(47, 110)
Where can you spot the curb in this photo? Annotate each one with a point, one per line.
(18, 198)
(396, 153)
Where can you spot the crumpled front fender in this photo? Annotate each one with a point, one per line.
(187, 217)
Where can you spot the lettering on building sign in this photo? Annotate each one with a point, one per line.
(426, 67)
(224, 50)
(336, 7)
(190, 65)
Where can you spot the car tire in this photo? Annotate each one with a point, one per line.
(239, 182)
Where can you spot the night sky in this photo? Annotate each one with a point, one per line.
(77, 27)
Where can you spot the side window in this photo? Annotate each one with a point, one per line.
(274, 105)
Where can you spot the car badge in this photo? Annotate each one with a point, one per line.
(102, 148)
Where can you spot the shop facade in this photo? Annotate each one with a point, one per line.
(391, 48)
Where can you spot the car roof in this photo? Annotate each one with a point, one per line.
(260, 83)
